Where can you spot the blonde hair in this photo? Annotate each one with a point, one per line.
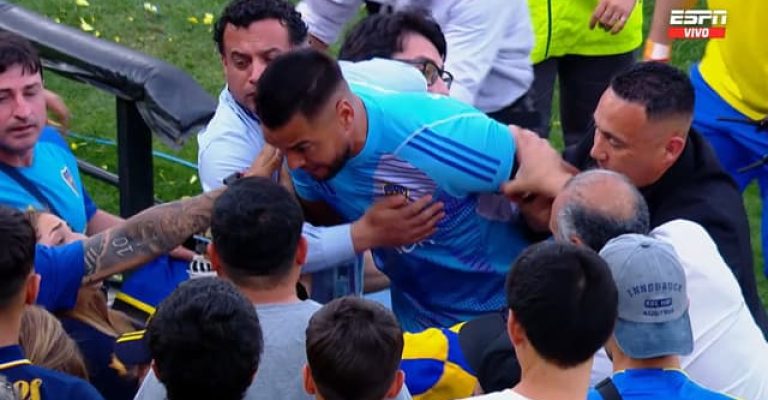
(46, 344)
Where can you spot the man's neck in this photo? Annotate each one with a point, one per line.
(622, 362)
(16, 159)
(10, 326)
(360, 127)
(282, 294)
(544, 380)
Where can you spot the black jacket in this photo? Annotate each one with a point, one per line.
(696, 188)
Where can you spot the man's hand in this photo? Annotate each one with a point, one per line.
(612, 14)
(266, 163)
(56, 106)
(542, 171)
(393, 222)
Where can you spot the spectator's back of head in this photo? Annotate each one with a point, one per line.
(384, 35)
(47, 344)
(563, 299)
(653, 316)
(596, 206)
(206, 341)
(256, 227)
(354, 348)
(17, 51)
(17, 257)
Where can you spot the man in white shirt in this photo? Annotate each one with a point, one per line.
(729, 352)
(562, 308)
(489, 45)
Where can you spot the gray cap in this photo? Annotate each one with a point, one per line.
(653, 302)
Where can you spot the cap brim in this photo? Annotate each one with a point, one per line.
(647, 340)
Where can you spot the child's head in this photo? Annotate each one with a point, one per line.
(354, 347)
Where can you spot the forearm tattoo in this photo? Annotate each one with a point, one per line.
(146, 235)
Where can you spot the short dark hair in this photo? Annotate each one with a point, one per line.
(15, 50)
(596, 226)
(298, 81)
(256, 227)
(17, 253)
(354, 348)
(382, 35)
(662, 89)
(565, 299)
(242, 13)
(206, 341)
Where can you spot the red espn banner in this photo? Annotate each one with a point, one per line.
(696, 32)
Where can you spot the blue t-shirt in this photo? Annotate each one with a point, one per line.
(33, 382)
(54, 170)
(61, 269)
(419, 144)
(658, 384)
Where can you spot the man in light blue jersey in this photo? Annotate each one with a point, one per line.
(348, 147)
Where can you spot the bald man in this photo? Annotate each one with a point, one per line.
(729, 353)
(643, 130)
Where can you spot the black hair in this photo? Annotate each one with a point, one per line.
(256, 226)
(300, 81)
(565, 299)
(206, 341)
(662, 89)
(17, 253)
(242, 13)
(382, 35)
(15, 50)
(354, 348)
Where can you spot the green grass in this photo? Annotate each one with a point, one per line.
(169, 35)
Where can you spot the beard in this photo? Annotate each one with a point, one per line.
(337, 165)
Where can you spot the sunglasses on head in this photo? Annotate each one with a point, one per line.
(430, 70)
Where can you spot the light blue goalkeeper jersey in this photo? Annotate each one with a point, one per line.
(419, 144)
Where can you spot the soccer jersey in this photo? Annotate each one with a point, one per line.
(37, 383)
(54, 171)
(419, 144)
(658, 384)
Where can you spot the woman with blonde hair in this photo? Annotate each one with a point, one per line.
(47, 344)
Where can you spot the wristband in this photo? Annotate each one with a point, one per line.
(656, 51)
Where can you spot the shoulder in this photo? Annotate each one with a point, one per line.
(229, 121)
(61, 384)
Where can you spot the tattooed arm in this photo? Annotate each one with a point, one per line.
(147, 235)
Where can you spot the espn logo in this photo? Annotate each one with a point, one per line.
(697, 24)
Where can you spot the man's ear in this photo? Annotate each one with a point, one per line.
(674, 147)
(213, 255)
(514, 330)
(302, 249)
(346, 114)
(575, 239)
(32, 288)
(309, 383)
(397, 385)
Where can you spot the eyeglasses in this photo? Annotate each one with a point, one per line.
(430, 70)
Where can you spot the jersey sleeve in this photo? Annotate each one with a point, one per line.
(464, 154)
(61, 269)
